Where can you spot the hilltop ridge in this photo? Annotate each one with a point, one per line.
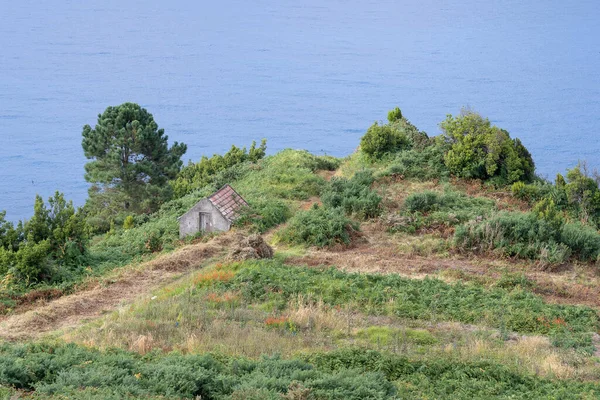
(417, 267)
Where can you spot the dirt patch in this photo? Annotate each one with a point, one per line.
(379, 252)
(104, 295)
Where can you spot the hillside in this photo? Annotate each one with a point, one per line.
(405, 270)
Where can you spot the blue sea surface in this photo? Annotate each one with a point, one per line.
(310, 74)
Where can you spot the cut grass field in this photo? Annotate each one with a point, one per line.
(99, 296)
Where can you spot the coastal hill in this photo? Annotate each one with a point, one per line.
(417, 267)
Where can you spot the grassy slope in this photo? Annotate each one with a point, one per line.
(473, 329)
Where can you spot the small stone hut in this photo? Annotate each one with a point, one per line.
(212, 214)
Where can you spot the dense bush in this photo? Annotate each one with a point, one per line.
(437, 379)
(264, 214)
(435, 209)
(423, 164)
(482, 151)
(513, 234)
(582, 240)
(394, 115)
(541, 234)
(382, 139)
(353, 195)
(54, 238)
(319, 226)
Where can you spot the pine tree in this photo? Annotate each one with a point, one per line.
(131, 155)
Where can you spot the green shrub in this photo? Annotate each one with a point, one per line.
(432, 209)
(129, 222)
(482, 151)
(422, 164)
(264, 214)
(68, 371)
(513, 234)
(353, 195)
(319, 226)
(382, 139)
(31, 262)
(541, 234)
(394, 115)
(445, 379)
(583, 240)
(328, 163)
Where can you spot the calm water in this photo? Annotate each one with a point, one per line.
(311, 74)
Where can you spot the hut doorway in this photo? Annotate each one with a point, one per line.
(204, 221)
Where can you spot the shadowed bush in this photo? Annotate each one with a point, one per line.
(319, 226)
(353, 195)
(527, 235)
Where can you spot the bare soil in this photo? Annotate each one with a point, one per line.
(378, 252)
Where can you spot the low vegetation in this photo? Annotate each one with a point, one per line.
(464, 211)
(320, 227)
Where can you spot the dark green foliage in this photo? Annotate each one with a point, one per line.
(75, 371)
(583, 240)
(443, 379)
(319, 226)
(513, 234)
(578, 196)
(583, 194)
(528, 235)
(482, 151)
(382, 139)
(435, 209)
(130, 156)
(422, 164)
(54, 238)
(264, 214)
(353, 195)
(9, 235)
(513, 308)
(539, 190)
(417, 140)
(397, 136)
(328, 163)
(31, 262)
(195, 176)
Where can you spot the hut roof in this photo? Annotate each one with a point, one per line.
(228, 202)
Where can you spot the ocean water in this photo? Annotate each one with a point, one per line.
(310, 74)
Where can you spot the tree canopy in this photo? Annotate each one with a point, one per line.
(131, 156)
(481, 150)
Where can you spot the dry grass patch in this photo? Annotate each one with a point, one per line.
(119, 287)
